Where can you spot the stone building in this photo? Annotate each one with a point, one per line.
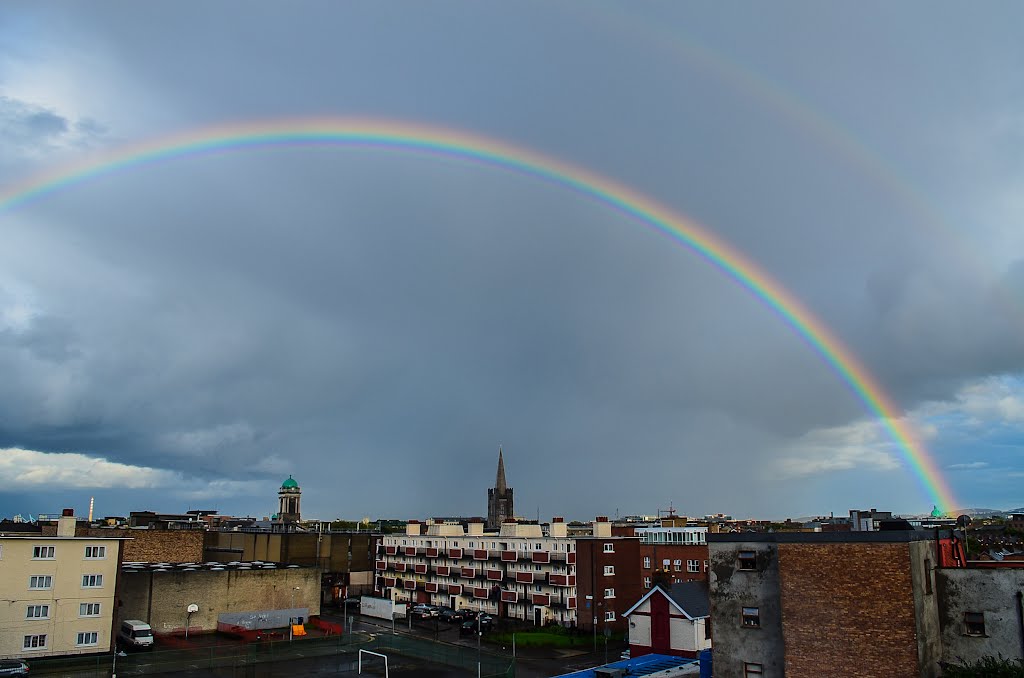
(288, 500)
(499, 499)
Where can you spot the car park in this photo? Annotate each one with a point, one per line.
(451, 616)
(13, 667)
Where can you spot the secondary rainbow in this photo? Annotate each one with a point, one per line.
(461, 145)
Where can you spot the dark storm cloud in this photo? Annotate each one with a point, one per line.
(381, 321)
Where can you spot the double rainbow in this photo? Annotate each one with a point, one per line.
(459, 144)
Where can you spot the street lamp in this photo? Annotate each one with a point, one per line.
(290, 617)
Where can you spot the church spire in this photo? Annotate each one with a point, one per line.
(499, 483)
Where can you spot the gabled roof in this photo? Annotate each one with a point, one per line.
(690, 598)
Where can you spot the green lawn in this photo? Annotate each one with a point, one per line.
(540, 638)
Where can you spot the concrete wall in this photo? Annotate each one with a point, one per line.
(923, 561)
(161, 598)
(989, 591)
(331, 551)
(733, 589)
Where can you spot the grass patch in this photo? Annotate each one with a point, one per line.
(540, 638)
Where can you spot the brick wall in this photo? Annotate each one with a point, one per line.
(627, 582)
(150, 546)
(848, 610)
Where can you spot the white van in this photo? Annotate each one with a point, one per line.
(136, 633)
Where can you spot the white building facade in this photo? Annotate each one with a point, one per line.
(520, 571)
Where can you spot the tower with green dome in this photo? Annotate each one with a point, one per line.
(288, 499)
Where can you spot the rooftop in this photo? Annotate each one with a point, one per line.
(130, 567)
(641, 666)
(894, 536)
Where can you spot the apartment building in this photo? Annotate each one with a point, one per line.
(680, 552)
(59, 592)
(520, 571)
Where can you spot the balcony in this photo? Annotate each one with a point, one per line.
(509, 596)
(455, 553)
(380, 565)
(467, 572)
(541, 599)
(399, 567)
(431, 587)
(494, 575)
(409, 584)
(433, 553)
(391, 550)
(443, 570)
(410, 550)
(420, 568)
(509, 556)
(455, 589)
(480, 593)
(540, 557)
(524, 577)
(562, 580)
(480, 554)
(570, 558)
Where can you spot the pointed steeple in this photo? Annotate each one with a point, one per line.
(499, 483)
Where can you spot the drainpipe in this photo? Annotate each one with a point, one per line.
(1020, 619)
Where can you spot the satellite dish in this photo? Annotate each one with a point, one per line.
(192, 608)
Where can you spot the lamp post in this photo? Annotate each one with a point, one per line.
(290, 617)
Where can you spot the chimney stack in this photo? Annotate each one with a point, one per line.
(412, 528)
(66, 523)
(475, 527)
(602, 528)
(558, 528)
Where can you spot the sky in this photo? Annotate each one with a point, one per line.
(377, 322)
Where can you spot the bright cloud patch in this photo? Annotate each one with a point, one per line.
(841, 448)
(64, 470)
(68, 469)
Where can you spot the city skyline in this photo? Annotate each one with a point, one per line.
(376, 317)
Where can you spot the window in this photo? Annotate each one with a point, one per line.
(35, 642)
(705, 566)
(693, 566)
(679, 565)
(42, 553)
(750, 669)
(751, 617)
(89, 609)
(974, 623)
(40, 581)
(647, 582)
(37, 612)
(647, 562)
(609, 593)
(609, 570)
(609, 615)
(748, 561)
(88, 638)
(95, 552)
(92, 581)
(537, 547)
(609, 548)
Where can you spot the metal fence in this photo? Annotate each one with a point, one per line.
(257, 659)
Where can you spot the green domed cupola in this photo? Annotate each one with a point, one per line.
(936, 513)
(289, 484)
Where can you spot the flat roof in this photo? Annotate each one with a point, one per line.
(891, 536)
(644, 665)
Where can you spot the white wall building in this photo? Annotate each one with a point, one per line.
(519, 572)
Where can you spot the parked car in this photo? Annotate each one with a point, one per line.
(468, 628)
(13, 667)
(451, 616)
(424, 611)
(468, 614)
(351, 603)
(486, 622)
